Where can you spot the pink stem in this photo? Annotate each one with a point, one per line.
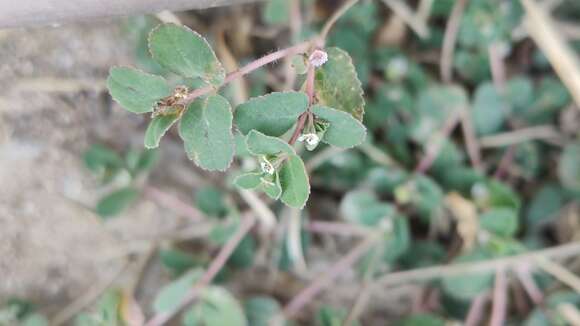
(499, 307)
(343, 229)
(324, 280)
(216, 265)
(258, 63)
(523, 273)
(174, 203)
(434, 146)
(475, 314)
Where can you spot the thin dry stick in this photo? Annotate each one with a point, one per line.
(364, 294)
(415, 22)
(533, 291)
(294, 239)
(499, 305)
(471, 142)
(434, 272)
(559, 272)
(475, 313)
(505, 163)
(89, 297)
(520, 136)
(257, 205)
(434, 146)
(337, 228)
(449, 40)
(498, 72)
(561, 56)
(215, 266)
(174, 203)
(324, 280)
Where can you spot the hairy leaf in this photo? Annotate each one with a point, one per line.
(136, 91)
(206, 129)
(185, 53)
(157, 128)
(294, 182)
(344, 130)
(260, 144)
(272, 114)
(338, 86)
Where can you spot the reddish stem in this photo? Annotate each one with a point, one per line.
(499, 306)
(436, 143)
(216, 265)
(324, 280)
(299, 127)
(258, 63)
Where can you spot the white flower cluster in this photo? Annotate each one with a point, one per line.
(311, 140)
(318, 58)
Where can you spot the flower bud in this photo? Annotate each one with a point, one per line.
(318, 58)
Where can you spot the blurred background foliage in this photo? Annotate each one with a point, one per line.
(517, 193)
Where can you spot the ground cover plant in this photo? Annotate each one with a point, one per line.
(378, 152)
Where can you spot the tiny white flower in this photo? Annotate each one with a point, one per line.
(267, 167)
(311, 140)
(318, 58)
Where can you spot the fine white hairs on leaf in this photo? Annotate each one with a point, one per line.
(318, 58)
(267, 167)
(311, 140)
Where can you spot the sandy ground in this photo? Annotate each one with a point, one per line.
(52, 107)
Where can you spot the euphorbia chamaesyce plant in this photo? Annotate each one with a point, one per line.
(328, 108)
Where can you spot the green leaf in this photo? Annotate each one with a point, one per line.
(422, 320)
(100, 158)
(544, 204)
(272, 114)
(344, 130)
(330, 316)
(173, 293)
(467, 286)
(489, 110)
(116, 202)
(216, 307)
(398, 240)
(294, 182)
(569, 167)
(363, 207)
(210, 200)
(276, 12)
(136, 91)
(501, 221)
(206, 130)
(435, 106)
(260, 144)
(243, 255)
(248, 180)
(185, 53)
(157, 128)
(260, 310)
(269, 184)
(178, 261)
(337, 85)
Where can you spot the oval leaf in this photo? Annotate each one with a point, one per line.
(344, 131)
(116, 202)
(272, 114)
(173, 293)
(294, 182)
(216, 307)
(157, 128)
(260, 144)
(206, 130)
(136, 91)
(248, 180)
(337, 84)
(185, 53)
